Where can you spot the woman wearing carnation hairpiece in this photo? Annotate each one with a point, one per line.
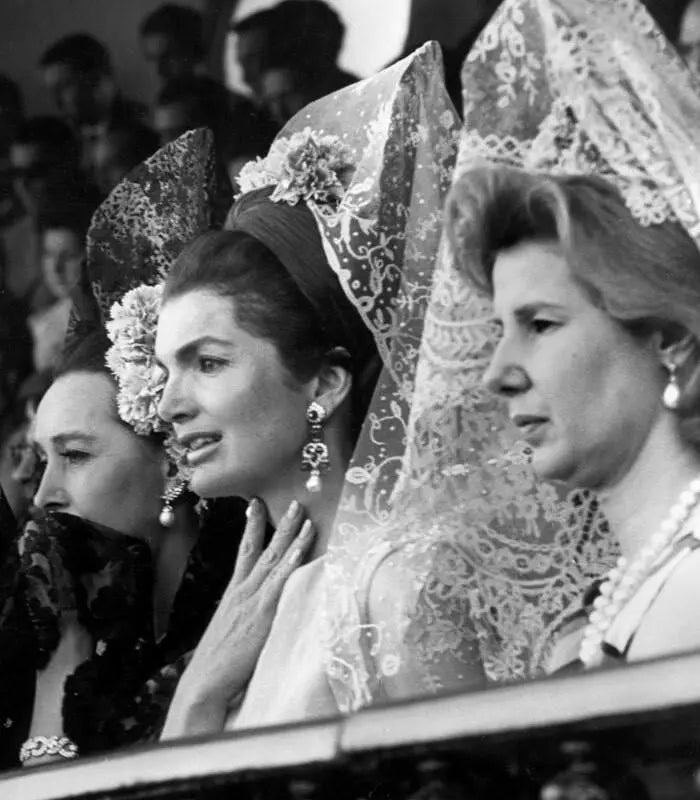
(272, 335)
(118, 574)
(593, 269)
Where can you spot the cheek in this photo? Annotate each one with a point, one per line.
(603, 388)
(118, 492)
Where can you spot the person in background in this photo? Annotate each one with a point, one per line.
(284, 91)
(118, 151)
(44, 159)
(171, 41)
(241, 131)
(309, 35)
(77, 72)
(254, 44)
(193, 101)
(63, 226)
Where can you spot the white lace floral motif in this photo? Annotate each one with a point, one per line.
(587, 87)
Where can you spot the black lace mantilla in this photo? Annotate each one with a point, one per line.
(61, 564)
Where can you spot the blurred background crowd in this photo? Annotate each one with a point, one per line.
(72, 126)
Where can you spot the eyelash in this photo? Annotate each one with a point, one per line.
(542, 325)
(216, 364)
(74, 456)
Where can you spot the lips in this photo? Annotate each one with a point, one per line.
(530, 425)
(200, 446)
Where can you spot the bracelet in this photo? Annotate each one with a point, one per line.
(39, 746)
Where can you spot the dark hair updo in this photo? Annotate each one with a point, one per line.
(306, 316)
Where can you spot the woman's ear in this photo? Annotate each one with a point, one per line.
(674, 351)
(334, 380)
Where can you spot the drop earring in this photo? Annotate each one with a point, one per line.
(672, 393)
(314, 456)
(172, 492)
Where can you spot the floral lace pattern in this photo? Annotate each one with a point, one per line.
(587, 87)
(148, 218)
(479, 563)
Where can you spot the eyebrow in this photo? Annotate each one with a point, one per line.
(71, 436)
(191, 347)
(528, 310)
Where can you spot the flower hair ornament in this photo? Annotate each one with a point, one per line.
(306, 166)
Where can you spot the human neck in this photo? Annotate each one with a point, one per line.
(641, 500)
(171, 553)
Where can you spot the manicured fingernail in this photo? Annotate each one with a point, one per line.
(306, 528)
(295, 556)
(293, 509)
(252, 507)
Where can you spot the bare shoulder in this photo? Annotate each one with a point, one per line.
(672, 624)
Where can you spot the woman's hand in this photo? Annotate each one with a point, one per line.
(227, 654)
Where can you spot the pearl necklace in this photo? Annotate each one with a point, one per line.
(625, 579)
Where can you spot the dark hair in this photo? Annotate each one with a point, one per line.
(180, 23)
(260, 20)
(270, 304)
(80, 51)
(11, 96)
(86, 354)
(312, 31)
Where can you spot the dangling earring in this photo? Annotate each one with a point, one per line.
(173, 490)
(314, 456)
(672, 393)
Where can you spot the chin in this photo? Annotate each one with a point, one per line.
(549, 465)
(208, 485)
(210, 482)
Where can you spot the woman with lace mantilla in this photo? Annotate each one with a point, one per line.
(272, 335)
(595, 282)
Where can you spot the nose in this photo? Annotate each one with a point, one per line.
(50, 495)
(505, 374)
(176, 405)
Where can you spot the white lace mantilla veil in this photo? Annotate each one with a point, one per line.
(558, 86)
(473, 558)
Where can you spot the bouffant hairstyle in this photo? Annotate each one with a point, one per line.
(647, 277)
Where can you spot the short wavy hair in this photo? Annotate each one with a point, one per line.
(645, 277)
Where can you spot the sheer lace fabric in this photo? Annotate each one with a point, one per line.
(146, 220)
(451, 564)
(563, 86)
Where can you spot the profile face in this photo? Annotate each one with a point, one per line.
(61, 256)
(96, 466)
(230, 398)
(583, 392)
(252, 49)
